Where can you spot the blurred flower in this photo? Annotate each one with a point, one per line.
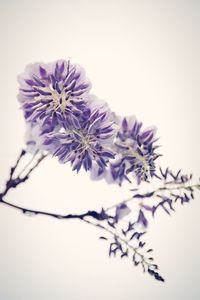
(50, 92)
(33, 139)
(122, 210)
(136, 152)
(85, 140)
(34, 136)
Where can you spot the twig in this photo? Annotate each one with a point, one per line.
(98, 216)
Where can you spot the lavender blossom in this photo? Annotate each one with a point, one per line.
(85, 140)
(136, 152)
(122, 210)
(50, 92)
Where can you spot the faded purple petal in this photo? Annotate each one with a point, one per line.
(122, 210)
(142, 219)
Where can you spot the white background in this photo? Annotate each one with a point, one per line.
(143, 58)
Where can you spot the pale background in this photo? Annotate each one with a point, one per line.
(143, 58)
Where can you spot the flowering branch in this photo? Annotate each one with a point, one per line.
(119, 243)
(173, 188)
(137, 256)
(64, 120)
(156, 193)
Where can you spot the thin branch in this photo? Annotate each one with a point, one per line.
(12, 170)
(154, 192)
(144, 261)
(28, 164)
(37, 163)
(14, 182)
(98, 216)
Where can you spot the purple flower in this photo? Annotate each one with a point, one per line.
(50, 92)
(85, 140)
(122, 210)
(136, 152)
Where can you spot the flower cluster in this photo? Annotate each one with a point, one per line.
(84, 140)
(135, 150)
(51, 92)
(65, 120)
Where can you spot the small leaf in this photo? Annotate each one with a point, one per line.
(142, 219)
(155, 274)
(103, 238)
(149, 250)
